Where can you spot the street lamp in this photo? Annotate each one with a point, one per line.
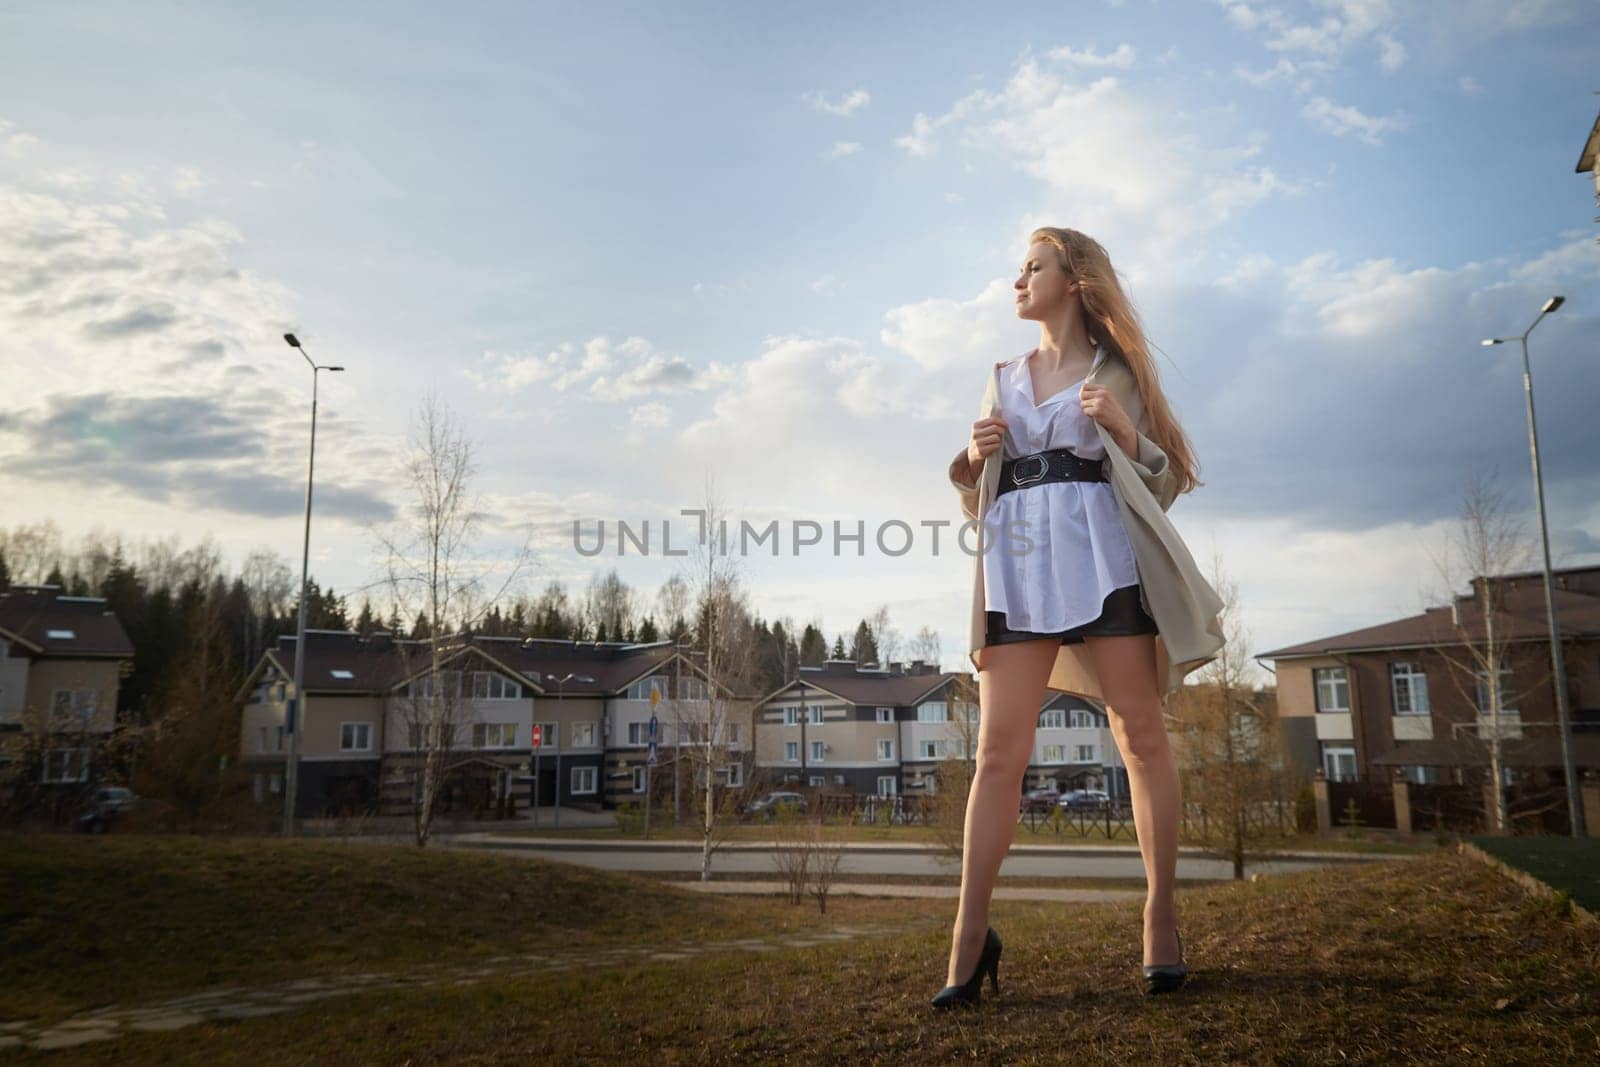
(560, 703)
(1574, 808)
(297, 703)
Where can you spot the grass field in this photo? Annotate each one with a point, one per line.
(1439, 960)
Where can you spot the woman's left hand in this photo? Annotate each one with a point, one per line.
(1101, 406)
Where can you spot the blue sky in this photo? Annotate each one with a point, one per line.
(632, 244)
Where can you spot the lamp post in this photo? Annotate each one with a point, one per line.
(296, 712)
(560, 705)
(1574, 808)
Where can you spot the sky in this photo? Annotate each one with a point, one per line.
(634, 248)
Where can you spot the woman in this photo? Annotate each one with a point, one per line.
(1075, 458)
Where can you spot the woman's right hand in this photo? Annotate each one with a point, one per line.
(986, 437)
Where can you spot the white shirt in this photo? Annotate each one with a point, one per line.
(1080, 549)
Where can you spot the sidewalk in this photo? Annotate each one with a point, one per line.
(499, 839)
(856, 889)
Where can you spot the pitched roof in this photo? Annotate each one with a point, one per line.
(1519, 615)
(344, 661)
(49, 624)
(872, 685)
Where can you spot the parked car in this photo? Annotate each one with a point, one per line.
(108, 803)
(1085, 800)
(1040, 800)
(766, 807)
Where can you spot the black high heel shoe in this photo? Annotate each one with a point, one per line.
(1165, 977)
(970, 991)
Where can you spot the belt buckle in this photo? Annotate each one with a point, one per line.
(1044, 468)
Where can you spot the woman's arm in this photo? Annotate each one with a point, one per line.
(965, 481)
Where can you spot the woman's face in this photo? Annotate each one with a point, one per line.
(1043, 288)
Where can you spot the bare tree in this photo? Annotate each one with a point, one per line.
(672, 601)
(269, 586)
(884, 635)
(1228, 743)
(431, 571)
(947, 814)
(610, 604)
(1487, 542)
(925, 646)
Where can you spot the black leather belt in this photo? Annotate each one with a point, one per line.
(1053, 465)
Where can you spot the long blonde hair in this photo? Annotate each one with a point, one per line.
(1113, 320)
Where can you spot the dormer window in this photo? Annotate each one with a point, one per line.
(61, 635)
(342, 674)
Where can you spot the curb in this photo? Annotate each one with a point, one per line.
(1527, 881)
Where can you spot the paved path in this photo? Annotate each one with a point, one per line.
(855, 889)
(1023, 860)
(218, 1005)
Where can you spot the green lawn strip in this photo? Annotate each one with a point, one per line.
(92, 921)
(951, 880)
(1563, 863)
(1439, 960)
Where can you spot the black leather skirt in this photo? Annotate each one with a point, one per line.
(1121, 615)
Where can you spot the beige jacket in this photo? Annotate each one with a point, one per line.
(1185, 607)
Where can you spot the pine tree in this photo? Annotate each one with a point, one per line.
(5, 572)
(838, 647)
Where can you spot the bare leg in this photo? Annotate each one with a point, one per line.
(1010, 693)
(1126, 667)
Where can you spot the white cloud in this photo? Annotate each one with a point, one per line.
(1469, 85)
(606, 371)
(1341, 119)
(825, 284)
(847, 105)
(840, 149)
(1122, 58)
(1391, 53)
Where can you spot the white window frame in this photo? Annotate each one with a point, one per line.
(66, 764)
(1084, 754)
(1053, 719)
(887, 785)
(733, 731)
(817, 781)
(1055, 754)
(492, 685)
(933, 711)
(581, 774)
(486, 735)
(549, 736)
(1406, 677)
(885, 714)
(886, 748)
(791, 752)
(638, 779)
(583, 735)
(735, 774)
(1330, 761)
(638, 733)
(930, 749)
(818, 751)
(815, 711)
(350, 731)
(641, 687)
(1081, 719)
(791, 716)
(1480, 683)
(690, 687)
(1331, 684)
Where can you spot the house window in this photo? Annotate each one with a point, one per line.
(1410, 687)
(342, 674)
(1082, 719)
(544, 731)
(816, 714)
(791, 751)
(490, 685)
(583, 734)
(691, 688)
(817, 748)
(733, 733)
(931, 750)
(641, 689)
(66, 765)
(494, 735)
(280, 739)
(355, 737)
(582, 780)
(1053, 719)
(817, 781)
(886, 715)
(1084, 754)
(1420, 774)
(638, 779)
(275, 784)
(61, 635)
(1481, 683)
(933, 711)
(1339, 762)
(1333, 688)
(885, 748)
(886, 785)
(971, 710)
(261, 739)
(735, 772)
(1055, 753)
(422, 688)
(638, 733)
(791, 716)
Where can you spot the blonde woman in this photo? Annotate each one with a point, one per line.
(1080, 583)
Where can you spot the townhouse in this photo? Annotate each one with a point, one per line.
(561, 721)
(848, 727)
(1408, 693)
(62, 659)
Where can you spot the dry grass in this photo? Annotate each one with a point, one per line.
(1437, 960)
